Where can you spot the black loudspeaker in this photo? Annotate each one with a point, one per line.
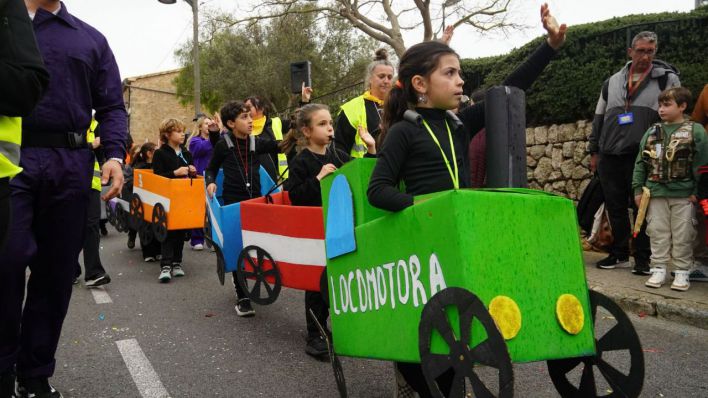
(299, 72)
(505, 111)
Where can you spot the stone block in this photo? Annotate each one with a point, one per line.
(530, 161)
(540, 135)
(543, 170)
(568, 149)
(537, 151)
(567, 168)
(530, 137)
(556, 158)
(580, 172)
(553, 134)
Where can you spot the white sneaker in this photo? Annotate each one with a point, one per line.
(681, 282)
(198, 247)
(177, 270)
(658, 276)
(165, 274)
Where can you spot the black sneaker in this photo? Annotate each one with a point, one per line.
(131, 242)
(104, 231)
(316, 347)
(610, 262)
(36, 388)
(641, 267)
(7, 384)
(98, 281)
(243, 308)
(76, 281)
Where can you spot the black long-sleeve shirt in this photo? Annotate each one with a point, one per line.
(242, 178)
(165, 161)
(302, 183)
(23, 77)
(408, 153)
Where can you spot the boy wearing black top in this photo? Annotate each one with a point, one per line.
(172, 160)
(237, 152)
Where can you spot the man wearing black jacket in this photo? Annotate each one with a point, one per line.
(22, 73)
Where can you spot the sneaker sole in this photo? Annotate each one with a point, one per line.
(165, 280)
(178, 275)
(245, 314)
(314, 353)
(98, 282)
(654, 285)
(680, 288)
(641, 273)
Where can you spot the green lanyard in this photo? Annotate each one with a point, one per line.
(455, 177)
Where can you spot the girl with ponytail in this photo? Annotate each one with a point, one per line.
(425, 145)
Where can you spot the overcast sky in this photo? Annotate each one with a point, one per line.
(145, 33)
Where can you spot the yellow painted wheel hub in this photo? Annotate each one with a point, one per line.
(506, 315)
(570, 313)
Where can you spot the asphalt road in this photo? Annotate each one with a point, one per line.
(184, 339)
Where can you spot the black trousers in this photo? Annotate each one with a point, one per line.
(172, 248)
(4, 209)
(615, 173)
(92, 241)
(315, 301)
(151, 249)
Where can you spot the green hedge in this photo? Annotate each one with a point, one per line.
(569, 87)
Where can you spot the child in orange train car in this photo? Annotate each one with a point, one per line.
(172, 160)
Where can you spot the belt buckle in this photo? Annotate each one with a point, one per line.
(76, 140)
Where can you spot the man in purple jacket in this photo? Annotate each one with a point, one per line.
(50, 196)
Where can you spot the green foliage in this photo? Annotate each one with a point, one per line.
(255, 60)
(570, 85)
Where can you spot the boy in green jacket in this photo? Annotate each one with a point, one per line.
(670, 154)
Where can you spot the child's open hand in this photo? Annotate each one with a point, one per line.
(556, 33)
(211, 189)
(447, 34)
(326, 170)
(367, 138)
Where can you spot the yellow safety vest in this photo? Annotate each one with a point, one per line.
(277, 126)
(355, 110)
(10, 140)
(90, 136)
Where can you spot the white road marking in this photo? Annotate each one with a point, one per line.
(141, 370)
(100, 295)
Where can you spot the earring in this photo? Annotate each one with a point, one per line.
(422, 99)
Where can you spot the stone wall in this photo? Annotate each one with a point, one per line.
(556, 158)
(151, 98)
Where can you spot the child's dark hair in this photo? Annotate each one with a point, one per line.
(421, 59)
(231, 110)
(260, 104)
(681, 95)
(303, 117)
(142, 154)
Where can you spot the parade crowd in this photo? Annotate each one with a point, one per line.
(413, 119)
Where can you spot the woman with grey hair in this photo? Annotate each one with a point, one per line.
(364, 111)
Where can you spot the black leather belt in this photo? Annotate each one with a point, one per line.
(71, 140)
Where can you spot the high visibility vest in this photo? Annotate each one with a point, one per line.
(277, 126)
(90, 136)
(10, 140)
(355, 110)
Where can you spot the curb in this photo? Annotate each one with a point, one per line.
(642, 303)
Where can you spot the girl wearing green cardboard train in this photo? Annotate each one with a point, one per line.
(424, 145)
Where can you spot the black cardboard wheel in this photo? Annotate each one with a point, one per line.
(259, 271)
(121, 217)
(220, 263)
(110, 213)
(620, 337)
(208, 238)
(137, 214)
(461, 358)
(159, 222)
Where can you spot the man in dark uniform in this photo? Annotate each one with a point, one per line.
(23, 80)
(51, 195)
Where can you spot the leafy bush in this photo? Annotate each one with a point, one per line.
(569, 87)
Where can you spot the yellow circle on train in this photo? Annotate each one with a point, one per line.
(570, 313)
(506, 315)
